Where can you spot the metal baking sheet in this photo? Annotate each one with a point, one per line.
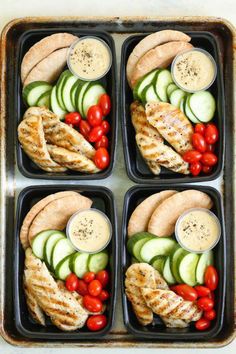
(12, 182)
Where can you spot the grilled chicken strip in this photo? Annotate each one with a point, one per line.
(47, 116)
(172, 124)
(154, 151)
(65, 312)
(166, 303)
(72, 160)
(62, 135)
(175, 323)
(31, 137)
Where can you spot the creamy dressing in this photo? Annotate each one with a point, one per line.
(198, 230)
(89, 58)
(89, 231)
(193, 70)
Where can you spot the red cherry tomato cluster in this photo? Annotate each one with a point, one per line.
(92, 288)
(95, 129)
(202, 158)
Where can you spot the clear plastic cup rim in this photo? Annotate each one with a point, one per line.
(193, 50)
(72, 47)
(189, 211)
(81, 212)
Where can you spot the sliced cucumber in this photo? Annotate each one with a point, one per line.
(170, 88)
(63, 268)
(188, 111)
(187, 268)
(159, 246)
(55, 105)
(175, 258)
(61, 249)
(182, 103)
(74, 88)
(91, 96)
(205, 260)
(176, 97)
(167, 274)
(158, 263)
(44, 99)
(66, 92)
(59, 87)
(32, 92)
(39, 241)
(79, 96)
(163, 79)
(142, 83)
(136, 242)
(98, 261)
(79, 264)
(203, 105)
(149, 94)
(49, 245)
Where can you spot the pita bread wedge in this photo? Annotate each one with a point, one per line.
(35, 210)
(49, 68)
(55, 215)
(42, 49)
(163, 220)
(158, 57)
(152, 41)
(140, 217)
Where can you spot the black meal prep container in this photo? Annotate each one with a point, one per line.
(27, 167)
(136, 167)
(158, 331)
(103, 200)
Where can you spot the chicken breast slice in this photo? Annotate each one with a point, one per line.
(164, 155)
(32, 140)
(47, 116)
(172, 124)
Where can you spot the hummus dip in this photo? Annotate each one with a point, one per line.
(89, 58)
(89, 230)
(198, 230)
(194, 70)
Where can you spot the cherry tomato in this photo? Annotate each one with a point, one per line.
(94, 115)
(202, 290)
(89, 276)
(209, 159)
(95, 134)
(101, 158)
(103, 277)
(105, 104)
(199, 142)
(211, 278)
(72, 282)
(210, 148)
(104, 295)
(205, 303)
(211, 134)
(206, 169)
(192, 156)
(73, 118)
(84, 128)
(202, 324)
(82, 288)
(200, 128)
(210, 315)
(92, 304)
(195, 168)
(187, 292)
(103, 142)
(173, 288)
(212, 295)
(105, 126)
(96, 322)
(95, 287)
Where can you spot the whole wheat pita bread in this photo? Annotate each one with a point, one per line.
(42, 49)
(49, 68)
(158, 57)
(151, 41)
(141, 215)
(163, 220)
(35, 210)
(56, 214)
